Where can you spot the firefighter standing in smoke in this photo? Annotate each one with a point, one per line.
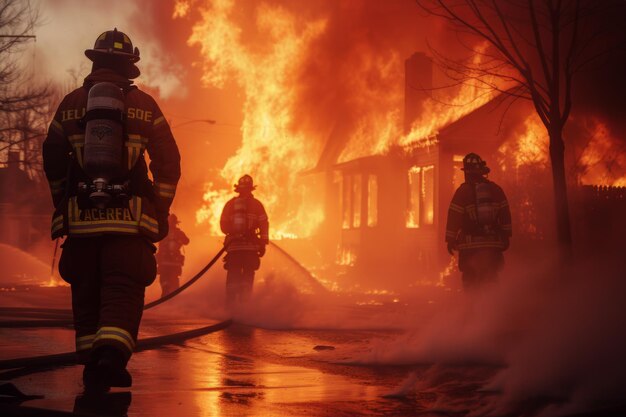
(107, 206)
(170, 260)
(479, 224)
(246, 226)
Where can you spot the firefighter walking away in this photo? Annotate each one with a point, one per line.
(479, 225)
(170, 260)
(245, 223)
(106, 205)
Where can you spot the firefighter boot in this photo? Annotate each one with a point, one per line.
(107, 370)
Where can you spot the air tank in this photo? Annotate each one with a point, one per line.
(486, 210)
(104, 138)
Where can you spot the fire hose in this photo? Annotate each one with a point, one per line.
(47, 317)
(62, 318)
(25, 366)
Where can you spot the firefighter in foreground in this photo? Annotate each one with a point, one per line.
(107, 206)
(479, 224)
(246, 226)
(170, 260)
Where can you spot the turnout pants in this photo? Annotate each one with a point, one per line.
(108, 275)
(240, 266)
(480, 266)
(169, 278)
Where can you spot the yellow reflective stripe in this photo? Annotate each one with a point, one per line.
(78, 142)
(480, 245)
(149, 223)
(104, 222)
(85, 342)
(76, 138)
(118, 45)
(166, 194)
(137, 138)
(456, 208)
(165, 186)
(102, 228)
(165, 190)
(57, 126)
(158, 120)
(115, 333)
(57, 224)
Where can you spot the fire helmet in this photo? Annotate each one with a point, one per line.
(113, 43)
(245, 183)
(474, 164)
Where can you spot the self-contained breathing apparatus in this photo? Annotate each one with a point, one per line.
(486, 209)
(104, 144)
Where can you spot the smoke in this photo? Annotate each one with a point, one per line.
(60, 51)
(552, 340)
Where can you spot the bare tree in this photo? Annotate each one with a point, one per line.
(534, 49)
(24, 104)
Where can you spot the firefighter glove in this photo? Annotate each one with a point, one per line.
(261, 251)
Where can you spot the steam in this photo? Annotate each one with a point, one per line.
(553, 341)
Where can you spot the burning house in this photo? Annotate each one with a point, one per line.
(391, 207)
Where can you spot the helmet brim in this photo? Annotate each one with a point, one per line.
(94, 54)
(239, 188)
(484, 170)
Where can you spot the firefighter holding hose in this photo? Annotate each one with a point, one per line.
(479, 224)
(106, 205)
(245, 224)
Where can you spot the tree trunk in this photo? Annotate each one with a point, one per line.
(557, 159)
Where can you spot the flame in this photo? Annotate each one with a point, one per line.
(272, 149)
(530, 147)
(346, 256)
(438, 113)
(181, 8)
(603, 160)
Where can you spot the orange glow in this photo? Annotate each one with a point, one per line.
(346, 256)
(603, 160)
(530, 147)
(272, 151)
(437, 113)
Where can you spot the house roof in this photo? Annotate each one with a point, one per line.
(487, 126)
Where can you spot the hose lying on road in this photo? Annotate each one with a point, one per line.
(50, 317)
(69, 358)
(62, 318)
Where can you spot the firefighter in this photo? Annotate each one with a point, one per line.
(106, 205)
(479, 224)
(170, 260)
(245, 224)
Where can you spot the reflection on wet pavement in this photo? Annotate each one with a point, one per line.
(239, 371)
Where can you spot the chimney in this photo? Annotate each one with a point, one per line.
(418, 82)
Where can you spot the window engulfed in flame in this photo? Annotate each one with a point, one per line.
(421, 210)
(356, 201)
(372, 200)
(413, 212)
